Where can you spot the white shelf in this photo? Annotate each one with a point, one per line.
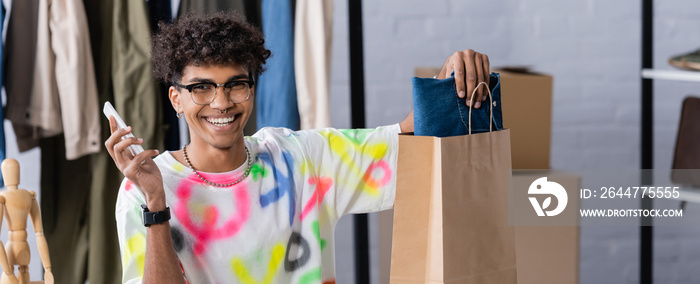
(690, 194)
(674, 75)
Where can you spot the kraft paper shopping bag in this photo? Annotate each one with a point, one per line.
(451, 210)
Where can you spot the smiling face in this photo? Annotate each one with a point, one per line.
(206, 122)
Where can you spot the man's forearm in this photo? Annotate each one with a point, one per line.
(407, 124)
(162, 265)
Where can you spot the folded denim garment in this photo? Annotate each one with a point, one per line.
(438, 111)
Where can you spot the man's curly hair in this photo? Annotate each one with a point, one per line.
(217, 39)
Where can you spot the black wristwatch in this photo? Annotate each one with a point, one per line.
(150, 218)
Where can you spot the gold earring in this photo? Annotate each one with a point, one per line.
(179, 115)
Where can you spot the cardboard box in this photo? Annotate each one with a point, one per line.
(544, 254)
(527, 111)
(547, 254)
(426, 72)
(386, 230)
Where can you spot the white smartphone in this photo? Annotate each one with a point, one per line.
(110, 111)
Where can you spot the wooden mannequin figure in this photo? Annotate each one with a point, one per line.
(17, 204)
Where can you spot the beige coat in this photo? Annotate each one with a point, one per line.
(64, 92)
(313, 37)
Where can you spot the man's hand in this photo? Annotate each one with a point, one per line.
(139, 169)
(470, 69)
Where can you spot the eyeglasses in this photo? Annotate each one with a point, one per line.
(238, 91)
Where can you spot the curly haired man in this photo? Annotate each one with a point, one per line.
(234, 209)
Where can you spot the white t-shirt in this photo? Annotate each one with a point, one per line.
(276, 226)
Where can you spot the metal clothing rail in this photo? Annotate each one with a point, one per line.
(646, 238)
(357, 118)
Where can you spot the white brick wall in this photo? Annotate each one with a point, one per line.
(591, 47)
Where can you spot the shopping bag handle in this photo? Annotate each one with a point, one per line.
(471, 103)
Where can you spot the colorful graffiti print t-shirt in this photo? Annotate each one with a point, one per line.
(276, 226)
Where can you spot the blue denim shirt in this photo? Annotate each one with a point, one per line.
(276, 89)
(438, 111)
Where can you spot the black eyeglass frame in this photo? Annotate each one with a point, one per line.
(189, 88)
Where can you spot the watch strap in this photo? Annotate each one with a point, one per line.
(157, 217)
